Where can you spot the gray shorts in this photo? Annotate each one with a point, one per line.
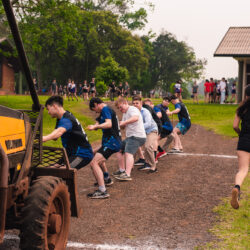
(131, 144)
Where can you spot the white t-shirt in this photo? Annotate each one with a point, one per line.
(222, 86)
(136, 128)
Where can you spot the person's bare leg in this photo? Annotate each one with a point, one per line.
(140, 153)
(121, 161)
(97, 171)
(243, 162)
(129, 159)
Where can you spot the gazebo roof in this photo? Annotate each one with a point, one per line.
(235, 43)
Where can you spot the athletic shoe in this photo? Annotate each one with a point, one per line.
(235, 198)
(123, 177)
(146, 166)
(108, 182)
(98, 195)
(118, 173)
(175, 151)
(161, 154)
(151, 171)
(140, 162)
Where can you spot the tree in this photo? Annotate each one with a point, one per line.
(109, 70)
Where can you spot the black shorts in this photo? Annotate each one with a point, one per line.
(165, 133)
(244, 144)
(78, 162)
(106, 152)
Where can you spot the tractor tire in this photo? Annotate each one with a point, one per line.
(46, 215)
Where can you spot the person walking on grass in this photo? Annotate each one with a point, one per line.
(195, 92)
(243, 148)
(111, 143)
(182, 126)
(151, 143)
(74, 139)
(135, 138)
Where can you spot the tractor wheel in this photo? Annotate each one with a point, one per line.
(46, 215)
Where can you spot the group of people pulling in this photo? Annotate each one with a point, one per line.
(145, 126)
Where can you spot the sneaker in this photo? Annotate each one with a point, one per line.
(108, 182)
(140, 162)
(175, 151)
(118, 173)
(151, 171)
(235, 198)
(161, 154)
(146, 166)
(123, 177)
(98, 195)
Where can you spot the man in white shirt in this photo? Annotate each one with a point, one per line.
(135, 138)
(222, 90)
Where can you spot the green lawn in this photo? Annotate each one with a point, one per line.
(234, 226)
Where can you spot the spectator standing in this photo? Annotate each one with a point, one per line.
(120, 90)
(69, 86)
(60, 90)
(233, 93)
(226, 91)
(223, 90)
(177, 89)
(243, 148)
(111, 142)
(182, 126)
(73, 90)
(112, 89)
(206, 91)
(211, 90)
(54, 87)
(218, 94)
(126, 89)
(195, 92)
(135, 138)
(92, 88)
(85, 90)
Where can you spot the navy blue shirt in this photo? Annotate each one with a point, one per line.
(166, 123)
(111, 136)
(183, 115)
(74, 140)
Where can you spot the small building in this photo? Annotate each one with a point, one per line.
(8, 67)
(236, 44)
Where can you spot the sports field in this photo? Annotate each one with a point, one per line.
(185, 205)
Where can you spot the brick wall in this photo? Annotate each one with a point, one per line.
(8, 79)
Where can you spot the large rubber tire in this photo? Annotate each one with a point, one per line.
(46, 215)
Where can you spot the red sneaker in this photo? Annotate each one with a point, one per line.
(161, 154)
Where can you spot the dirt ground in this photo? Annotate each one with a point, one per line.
(171, 209)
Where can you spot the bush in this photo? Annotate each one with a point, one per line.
(101, 88)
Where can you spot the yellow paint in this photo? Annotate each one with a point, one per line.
(12, 129)
(18, 167)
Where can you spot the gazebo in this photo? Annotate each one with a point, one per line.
(236, 44)
(8, 67)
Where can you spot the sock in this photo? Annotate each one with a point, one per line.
(102, 188)
(106, 175)
(122, 170)
(160, 149)
(237, 186)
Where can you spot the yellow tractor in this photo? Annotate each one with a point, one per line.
(37, 196)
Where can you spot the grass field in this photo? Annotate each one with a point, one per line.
(234, 226)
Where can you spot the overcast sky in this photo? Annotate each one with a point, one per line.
(202, 24)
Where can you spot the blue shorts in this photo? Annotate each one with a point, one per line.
(182, 127)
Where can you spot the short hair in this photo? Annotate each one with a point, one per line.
(94, 100)
(120, 100)
(166, 98)
(54, 99)
(136, 98)
(173, 97)
(147, 100)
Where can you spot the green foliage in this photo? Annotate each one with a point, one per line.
(109, 70)
(101, 88)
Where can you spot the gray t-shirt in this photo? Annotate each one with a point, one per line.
(136, 128)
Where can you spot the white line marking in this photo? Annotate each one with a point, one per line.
(208, 155)
(80, 245)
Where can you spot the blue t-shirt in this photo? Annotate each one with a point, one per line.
(111, 137)
(166, 124)
(74, 140)
(183, 115)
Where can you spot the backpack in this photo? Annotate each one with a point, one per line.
(155, 117)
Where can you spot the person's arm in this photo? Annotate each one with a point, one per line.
(105, 125)
(132, 119)
(175, 111)
(236, 124)
(147, 119)
(159, 114)
(55, 134)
